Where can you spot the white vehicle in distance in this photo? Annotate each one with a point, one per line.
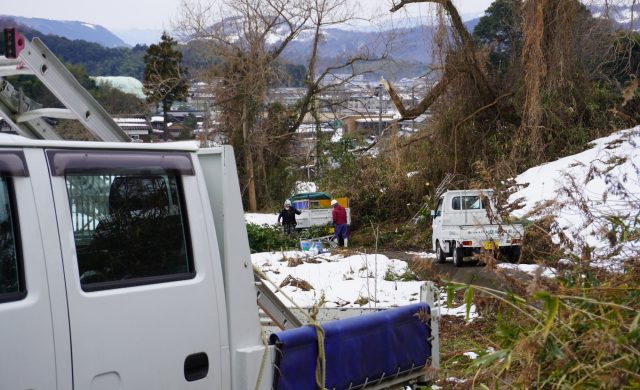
(465, 223)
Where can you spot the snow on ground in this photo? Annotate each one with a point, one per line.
(261, 219)
(341, 281)
(531, 269)
(471, 355)
(337, 136)
(423, 255)
(608, 177)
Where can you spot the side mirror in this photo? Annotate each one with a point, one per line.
(433, 213)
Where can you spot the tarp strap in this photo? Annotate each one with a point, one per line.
(263, 361)
(321, 364)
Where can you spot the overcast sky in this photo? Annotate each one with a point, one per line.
(158, 14)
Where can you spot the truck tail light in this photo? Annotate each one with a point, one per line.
(467, 243)
(13, 42)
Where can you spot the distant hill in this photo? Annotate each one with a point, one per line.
(72, 30)
(97, 60)
(139, 36)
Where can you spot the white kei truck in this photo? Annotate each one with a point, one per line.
(465, 222)
(317, 217)
(315, 209)
(126, 266)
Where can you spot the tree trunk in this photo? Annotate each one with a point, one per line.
(165, 116)
(248, 161)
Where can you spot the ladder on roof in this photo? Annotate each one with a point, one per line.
(27, 117)
(444, 184)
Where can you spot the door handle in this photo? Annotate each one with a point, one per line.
(196, 366)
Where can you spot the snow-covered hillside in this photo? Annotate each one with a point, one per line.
(591, 193)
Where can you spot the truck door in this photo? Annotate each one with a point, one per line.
(142, 308)
(27, 353)
(436, 225)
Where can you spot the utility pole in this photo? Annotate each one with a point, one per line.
(380, 89)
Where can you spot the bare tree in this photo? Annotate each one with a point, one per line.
(468, 62)
(247, 37)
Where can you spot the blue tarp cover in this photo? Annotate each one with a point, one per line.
(356, 348)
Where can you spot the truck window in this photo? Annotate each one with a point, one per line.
(129, 229)
(455, 203)
(439, 207)
(471, 203)
(12, 286)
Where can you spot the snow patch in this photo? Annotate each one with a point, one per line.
(423, 255)
(606, 177)
(337, 136)
(471, 355)
(340, 281)
(261, 219)
(531, 269)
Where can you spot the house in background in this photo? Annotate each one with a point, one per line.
(138, 128)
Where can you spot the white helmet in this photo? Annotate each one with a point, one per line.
(334, 202)
(287, 202)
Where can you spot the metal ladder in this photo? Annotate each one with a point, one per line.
(444, 184)
(25, 116)
(273, 306)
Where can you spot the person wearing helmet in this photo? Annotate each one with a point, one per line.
(288, 217)
(341, 231)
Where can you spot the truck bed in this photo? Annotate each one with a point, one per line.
(502, 234)
(317, 217)
(395, 342)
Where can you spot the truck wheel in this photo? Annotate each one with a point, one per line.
(514, 254)
(440, 256)
(457, 256)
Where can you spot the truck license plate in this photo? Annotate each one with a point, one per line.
(491, 245)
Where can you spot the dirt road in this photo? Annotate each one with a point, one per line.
(430, 269)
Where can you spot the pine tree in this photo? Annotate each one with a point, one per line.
(164, 76)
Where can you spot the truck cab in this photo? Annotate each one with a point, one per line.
(465, 222)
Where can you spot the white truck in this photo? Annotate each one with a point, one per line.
(127, 266)
(317, 217)
(315, 209)
(465, 222)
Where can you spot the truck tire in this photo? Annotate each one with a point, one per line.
(457, 256)
(440, 256)
(513, 255)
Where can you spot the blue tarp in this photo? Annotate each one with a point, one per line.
(357, 349)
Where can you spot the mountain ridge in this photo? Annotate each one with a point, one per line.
(72, 29)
